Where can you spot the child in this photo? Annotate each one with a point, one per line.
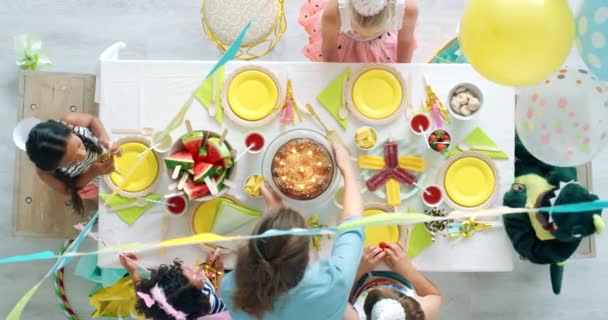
(389, 295)
(68, 155)
(374, 31)
(274, 278)
(177, 292)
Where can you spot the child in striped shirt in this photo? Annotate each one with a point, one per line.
(177, 292)
(70, 154)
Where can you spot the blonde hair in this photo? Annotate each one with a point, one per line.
(376, 21)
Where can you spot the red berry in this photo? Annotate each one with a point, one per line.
(383, 245)
(433, 137)
(440, 147)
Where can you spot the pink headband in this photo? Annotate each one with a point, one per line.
(369, 8)
(157, 295)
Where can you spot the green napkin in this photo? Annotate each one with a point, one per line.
(129, 215)
(419, 240)
(204, 93)
(331, 97)
(478, 137)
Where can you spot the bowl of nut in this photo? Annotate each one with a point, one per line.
(465, 101)
(436, 227)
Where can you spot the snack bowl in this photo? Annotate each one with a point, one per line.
(461, 104)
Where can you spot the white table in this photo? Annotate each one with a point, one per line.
(138, 94)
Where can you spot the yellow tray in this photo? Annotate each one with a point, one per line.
(470, 181)
(376, 94)
(252, 95)
(375, 235)
(145, 178)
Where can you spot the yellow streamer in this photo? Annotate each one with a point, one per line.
(15, 314)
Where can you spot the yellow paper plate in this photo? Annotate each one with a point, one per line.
(469, 182)
(377, 94)
(252, 95)
(375, 235)
(204, 214)
(146, 173)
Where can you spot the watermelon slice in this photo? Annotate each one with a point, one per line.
(202, 170)
(219, 180)
(225, 162)
(182, 158)
(216, 150)
(195, 190)
(192, 142)
(218, 170)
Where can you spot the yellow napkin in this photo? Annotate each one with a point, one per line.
(332, 97)
(129, 215)
(117, 300)
(204, 93)
(419, 240)
(478, 137)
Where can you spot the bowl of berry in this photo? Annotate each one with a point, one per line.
(200, 164)
(440, 140)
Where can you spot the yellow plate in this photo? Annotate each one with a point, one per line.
(146, 173)
(469, 182)
(377, 94)
(204, 214)
(252, 95)
(375, 235)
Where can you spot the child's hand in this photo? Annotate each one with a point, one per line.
(216, 262)
(112, 148)
(126, 260)
(342, 157)
(395, 258)
(372, 256)
(104, 166)
(273, 201)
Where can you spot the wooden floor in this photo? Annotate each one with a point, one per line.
(76, 31)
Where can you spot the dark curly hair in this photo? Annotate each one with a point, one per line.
(46, 145)
(180, 293)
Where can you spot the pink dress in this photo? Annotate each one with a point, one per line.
(380, 49)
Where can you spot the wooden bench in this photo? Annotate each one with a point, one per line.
(37, 209)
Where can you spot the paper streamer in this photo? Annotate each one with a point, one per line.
(15, 314)
(232, 50)
(375, 220)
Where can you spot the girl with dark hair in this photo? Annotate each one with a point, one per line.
(390, 295)
(70, 154)
(177, 292)
(273, 278)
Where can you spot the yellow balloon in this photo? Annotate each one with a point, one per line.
(517, 42)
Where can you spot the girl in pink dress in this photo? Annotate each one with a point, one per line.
(377, 31)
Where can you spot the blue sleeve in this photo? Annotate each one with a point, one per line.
(346, 252)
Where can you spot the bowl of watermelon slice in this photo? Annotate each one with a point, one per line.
(199, 164)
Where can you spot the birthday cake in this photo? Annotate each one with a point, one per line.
(302, 169)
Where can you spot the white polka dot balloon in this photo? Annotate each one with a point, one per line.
(563, 121)
(592, 36)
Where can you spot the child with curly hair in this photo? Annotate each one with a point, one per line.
(377, 31)
(177, 292)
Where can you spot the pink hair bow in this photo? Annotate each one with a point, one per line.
(157, 295)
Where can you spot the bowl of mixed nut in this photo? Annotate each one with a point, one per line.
(465, 101)
(435, 227)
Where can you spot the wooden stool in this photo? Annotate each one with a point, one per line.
(223, 20)
(39, 210)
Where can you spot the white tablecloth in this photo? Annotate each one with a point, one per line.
(137, 94)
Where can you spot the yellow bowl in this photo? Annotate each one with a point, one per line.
(145, 178)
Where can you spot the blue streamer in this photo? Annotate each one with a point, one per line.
(231, 52)
(577, 207)
(63, 261)
(42, 255)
